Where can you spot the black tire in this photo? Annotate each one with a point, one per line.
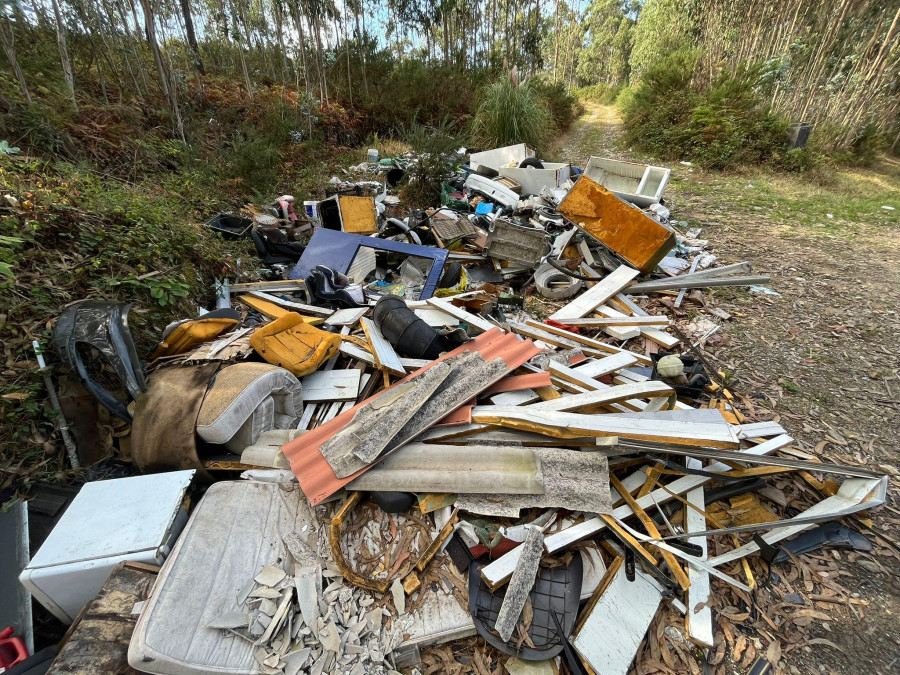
(450, 276)
(532, 162)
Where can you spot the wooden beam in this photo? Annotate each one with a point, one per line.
(594, 297)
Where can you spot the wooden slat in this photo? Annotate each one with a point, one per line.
(604, 397)
(596, 296)
(331, 385)
(597, 348)
(699, 614)
(475, 321)
(574, 425)
(385, 356)
(597, 322)
(297, 306)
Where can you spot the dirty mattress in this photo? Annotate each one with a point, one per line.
(235, 531)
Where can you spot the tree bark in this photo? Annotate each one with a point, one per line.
(64, 53)
(7, 36)
(189, 29)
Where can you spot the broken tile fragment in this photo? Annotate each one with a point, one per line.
(399, 596)
(270, 576)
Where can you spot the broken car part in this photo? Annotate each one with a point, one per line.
(104, 327)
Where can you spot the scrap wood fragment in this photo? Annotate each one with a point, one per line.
(498, 572)
(385, 356)
(699, 614)
(650, 526)
(575, 425)
(596, 296)
(616, 619)
(477, 322)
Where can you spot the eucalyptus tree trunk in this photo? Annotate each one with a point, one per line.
(8, 38)
(362, 48)
(64, 53)
(191, 36)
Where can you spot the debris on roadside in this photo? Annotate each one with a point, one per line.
(497, 417)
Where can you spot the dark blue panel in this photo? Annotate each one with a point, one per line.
(337, 249)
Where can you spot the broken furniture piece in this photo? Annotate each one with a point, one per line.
(338, 250)
(348, 213)
(621, 227)
(639, 184)
(246, 399)
(136, 519)
(98, 640)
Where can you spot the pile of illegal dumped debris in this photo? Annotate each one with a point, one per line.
(471, 421)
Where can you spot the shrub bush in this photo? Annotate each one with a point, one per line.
(562, 106)
(600, 93)
(727, 123)
(510, 112)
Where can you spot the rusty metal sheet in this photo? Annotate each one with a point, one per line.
(318, 480)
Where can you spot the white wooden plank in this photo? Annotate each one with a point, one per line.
(598, 322)
(759, 430)
(519, 397)
(604, 366)
(611, 633)
(346, 317)
(649, 389)
(331, 385)
(618, 332)
(385, 356)
(699, 614)
(479, 323)
(563, 424)
(299, 306)
(660, 337)
(571, 340)
(435, 317)
(596, 296)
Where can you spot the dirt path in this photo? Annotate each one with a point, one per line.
(822, 357)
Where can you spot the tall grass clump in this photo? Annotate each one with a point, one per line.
(510, 112)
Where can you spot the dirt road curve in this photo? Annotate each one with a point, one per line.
(822, 356)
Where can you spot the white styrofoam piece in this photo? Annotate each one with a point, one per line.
(136, 518)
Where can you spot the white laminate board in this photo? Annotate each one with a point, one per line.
(331, 385)
(594, 297)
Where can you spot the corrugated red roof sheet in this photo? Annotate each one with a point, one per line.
(317, 478)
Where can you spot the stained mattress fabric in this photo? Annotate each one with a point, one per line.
(235, 531)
